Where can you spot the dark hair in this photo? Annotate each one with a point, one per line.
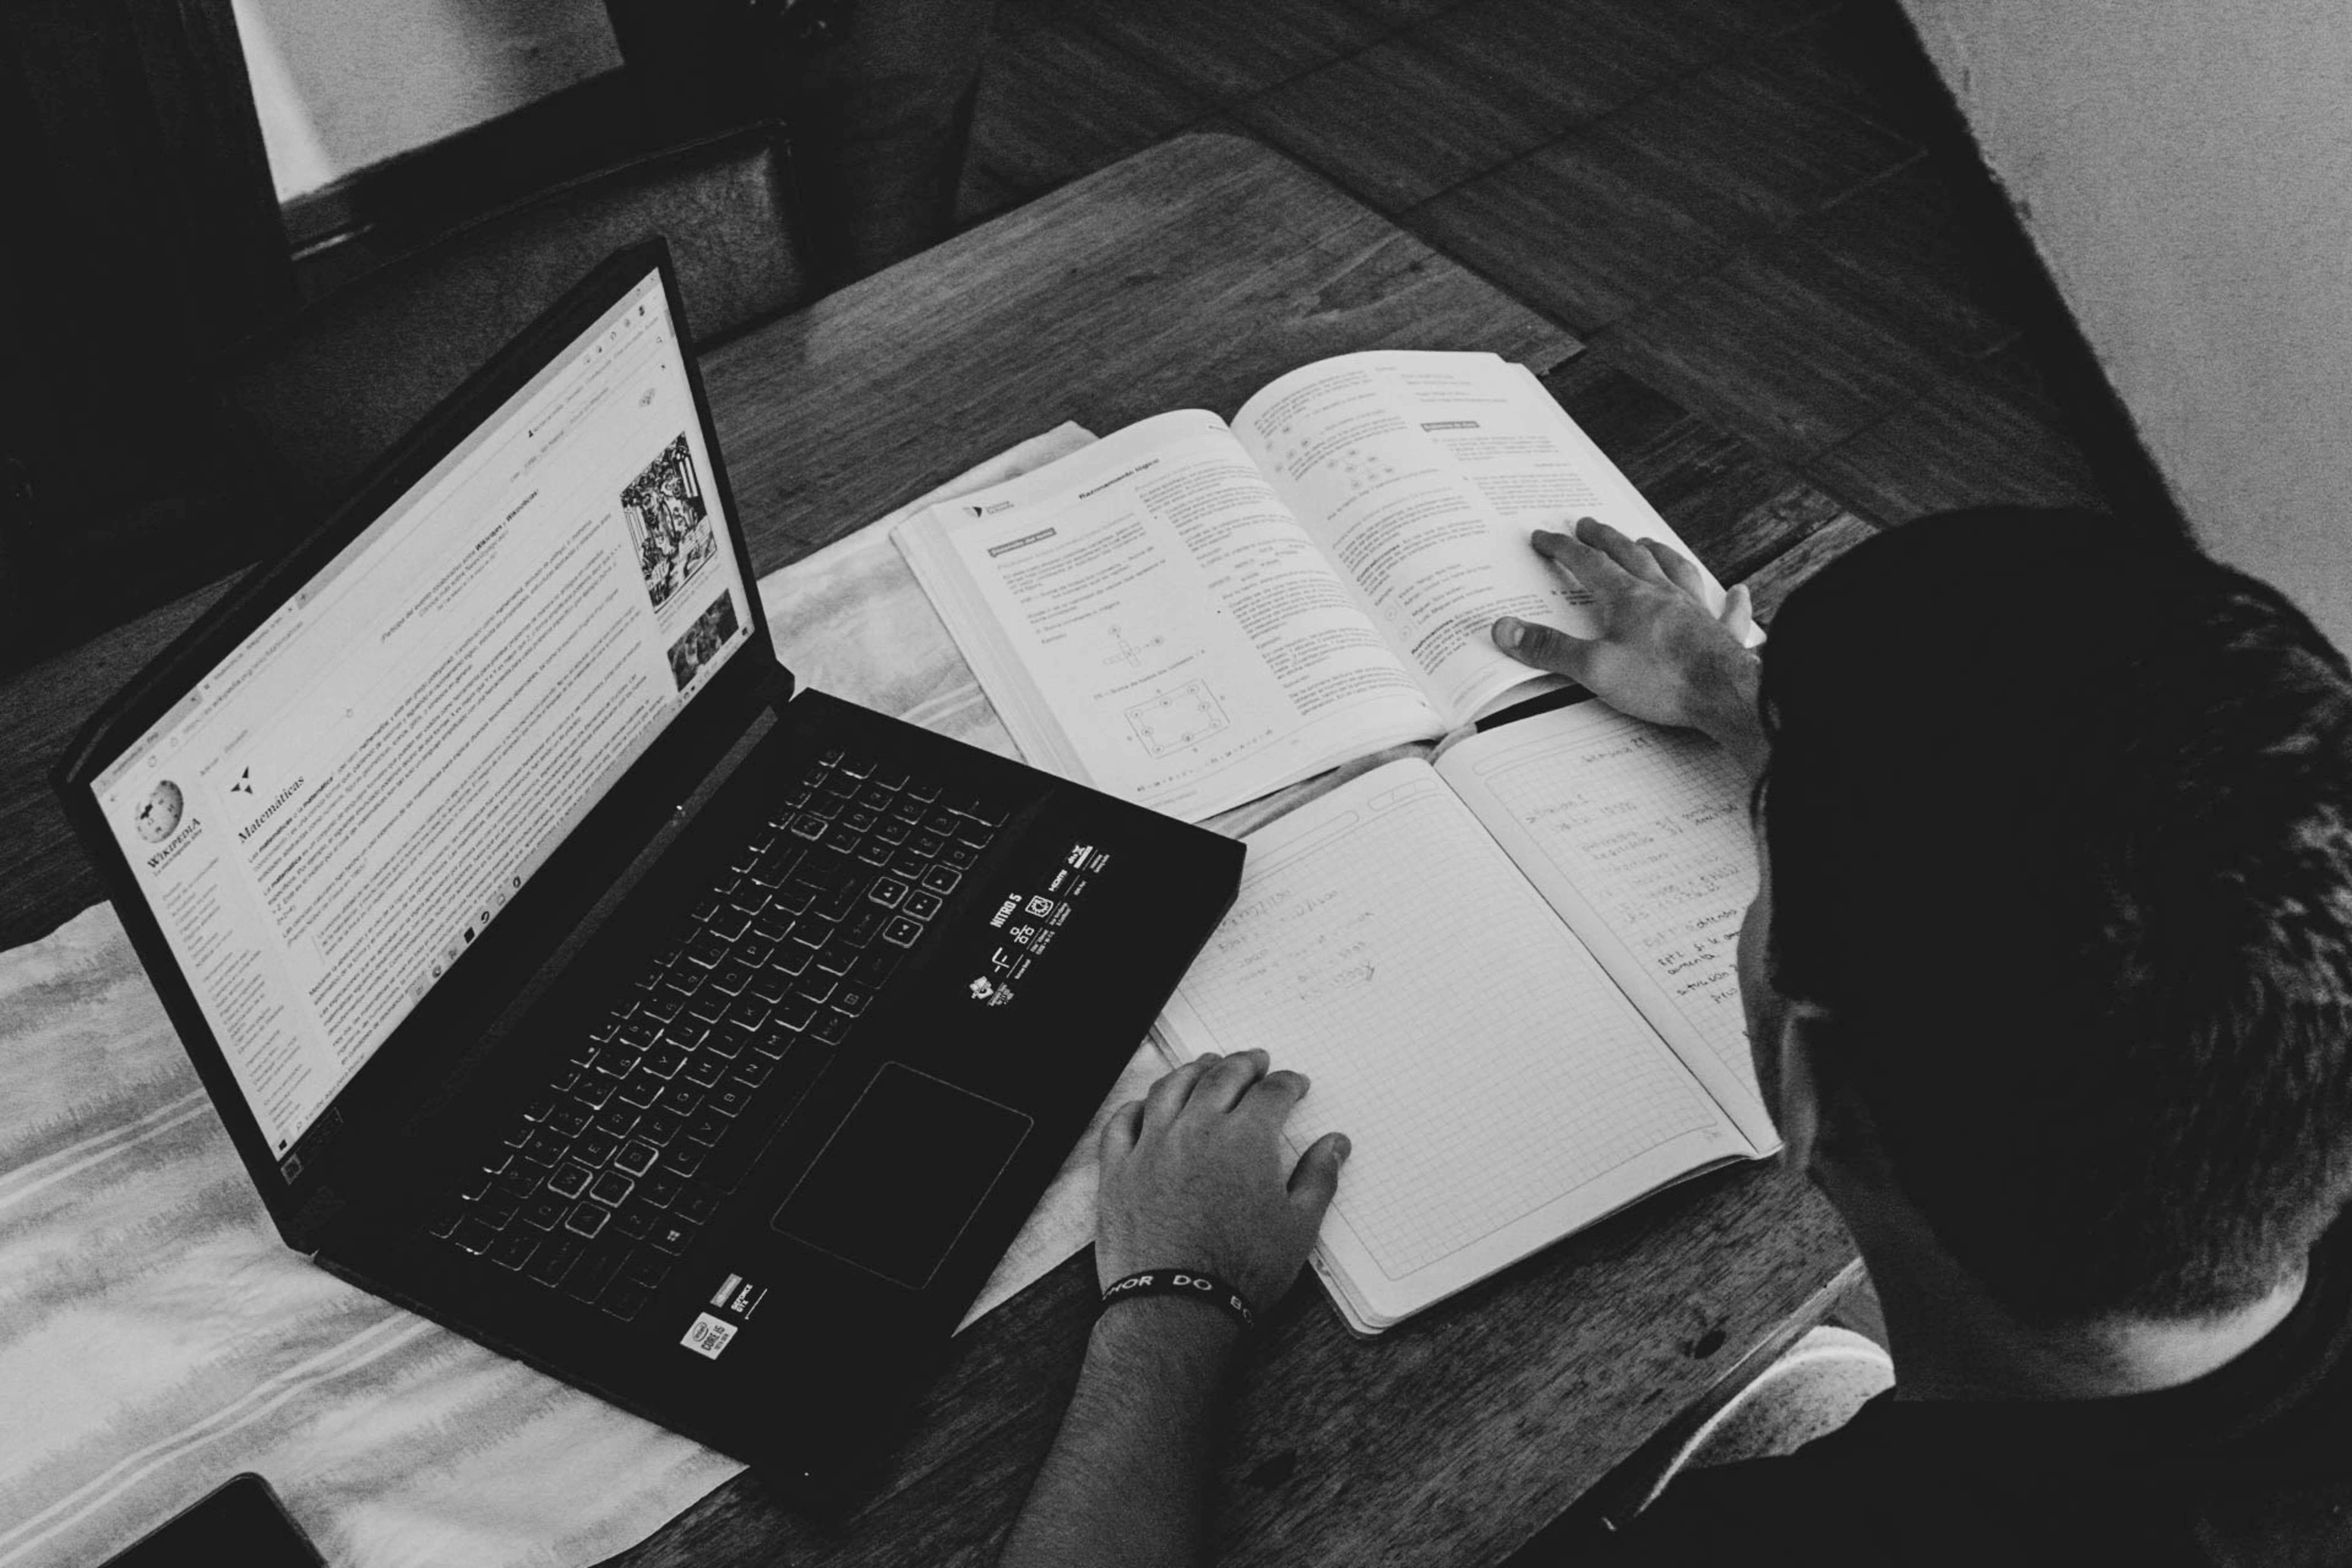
(2059, 818)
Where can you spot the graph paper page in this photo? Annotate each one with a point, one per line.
(1499, 1089)
(1638, 835)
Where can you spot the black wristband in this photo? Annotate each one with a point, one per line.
(1189, 1282)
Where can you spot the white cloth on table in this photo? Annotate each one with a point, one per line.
(156, 1336)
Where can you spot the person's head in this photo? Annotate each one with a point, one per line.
(2058, 821)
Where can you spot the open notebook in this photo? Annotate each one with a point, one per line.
(1511, 975)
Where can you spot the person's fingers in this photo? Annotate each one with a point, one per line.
(1593, 569)
(1545, 648)
(1627, 553)
(1222, 1087)
(1738, 617)
(1167, 1097)
(1679, 568)
(1121, 1127)
(1317, 1178)
(1274, 1094)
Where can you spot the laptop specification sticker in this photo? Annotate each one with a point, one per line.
(1029, 923)
(738, 1296)
(708, 1336)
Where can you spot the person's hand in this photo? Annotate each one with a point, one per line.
(1662, 653)
(1195, 1176)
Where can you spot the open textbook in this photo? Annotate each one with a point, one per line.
(1511, 976)
(1190, 615)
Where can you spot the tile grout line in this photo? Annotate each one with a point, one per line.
(1746, 49)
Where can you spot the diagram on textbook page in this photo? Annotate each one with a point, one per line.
(1174, 720)
(1126, 651)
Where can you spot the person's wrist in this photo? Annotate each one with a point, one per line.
(1191, 1283)
(1170, 1328)
(1726, 707)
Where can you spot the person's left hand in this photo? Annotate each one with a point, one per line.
(1194, 1176)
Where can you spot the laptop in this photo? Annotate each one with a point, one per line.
(563, 973)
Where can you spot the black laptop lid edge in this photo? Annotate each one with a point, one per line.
(303, 1200)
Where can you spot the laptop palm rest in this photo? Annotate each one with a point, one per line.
(903, 1176)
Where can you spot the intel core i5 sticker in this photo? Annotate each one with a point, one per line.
(709, 1335)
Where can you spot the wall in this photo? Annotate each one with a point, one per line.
(2185, 169)
(342, 84)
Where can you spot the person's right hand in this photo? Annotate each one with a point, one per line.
(1194, 1175)
(1662, 653)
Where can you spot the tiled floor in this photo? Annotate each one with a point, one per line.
(1733, 200)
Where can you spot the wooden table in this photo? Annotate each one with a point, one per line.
(1189, 276)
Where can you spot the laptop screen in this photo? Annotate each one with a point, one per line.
(340, 806)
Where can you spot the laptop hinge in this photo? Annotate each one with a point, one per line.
(315, 1218)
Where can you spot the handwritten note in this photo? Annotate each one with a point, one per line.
(1646, 828)
(1481, 1061)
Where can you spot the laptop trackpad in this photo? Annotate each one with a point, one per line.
(904, 1175)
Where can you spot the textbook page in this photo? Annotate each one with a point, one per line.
(1421, 475)
(1149, 619)
(1638, 835)
(1499, 1089)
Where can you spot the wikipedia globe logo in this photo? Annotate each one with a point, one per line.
(160, 816)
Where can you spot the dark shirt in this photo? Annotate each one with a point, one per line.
(2251, 1463)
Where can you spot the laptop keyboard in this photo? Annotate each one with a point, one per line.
(610, 1173)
